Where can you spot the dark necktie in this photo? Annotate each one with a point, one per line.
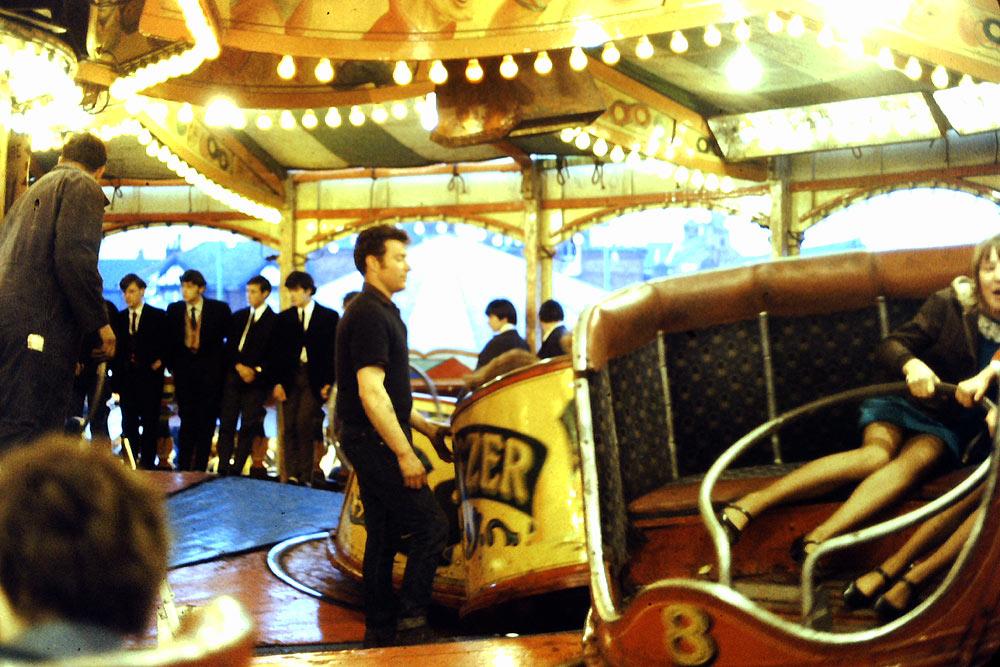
(194, 318)
(133, 326)
(246, 331)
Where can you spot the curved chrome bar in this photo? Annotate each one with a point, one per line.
(432, 388)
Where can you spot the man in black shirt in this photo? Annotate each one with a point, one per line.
(375, 407)
(550, 314)
(502, 320)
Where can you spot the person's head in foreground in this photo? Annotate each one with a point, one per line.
(83, 546)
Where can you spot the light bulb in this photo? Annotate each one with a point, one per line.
(474, 71)
(438, 73)
(332, 117)
(678, 42)
(885, 59)
(398, 110)
(309, 120)
(741, 31)
(610, 55)
(644, 48)
(401, 73)
(912, 69)
(796, 26)
(582, 141)
(264, 122)
(379, 114)
(939, 77)
(324, 70)
(508, 68)
(185, 114)
(577, 59)
(743, 70)
(825, 37)
(543, 64)
(617, 154)
(357, 116)
(774, 23)
(286, 121)
(712, 35)
(600, 147)
(286, 67)
(567, 134)
(238, 121)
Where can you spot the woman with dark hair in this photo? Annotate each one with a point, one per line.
(951, 339)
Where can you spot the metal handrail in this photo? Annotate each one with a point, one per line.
(432, 388)
(719, 537)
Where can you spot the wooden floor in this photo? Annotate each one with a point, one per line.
(295, 628)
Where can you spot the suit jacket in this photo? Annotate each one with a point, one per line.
(552, 346)
(139, 351)
(256, 348)
(49, 284)
(320, 341)
(215, 316)
(503, 342)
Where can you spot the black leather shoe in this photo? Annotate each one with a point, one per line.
(732, 531)
(886, 611)
(855, 599)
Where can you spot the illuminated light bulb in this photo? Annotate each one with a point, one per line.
(144, 137)
(741, 31)
(332, 117)
(610, 54)
(264, 122)
(633, 158)
(697, 179)
(796, 26)
(133, 105)
(151, 148)
(582, 141)
(438, 73)
(885, 59)
(543, 64)
(429, 114)
(474, 71)
(726, 184)
(401, 73)
(508, 68)
(286, 67)
(286, 121)
(617, 154)
(826, 37)
(682, 174)
(712, 182)
(163, 154)
(712, 36)
(743, 70)
(912, 69)
(644, 48)
(774, 23)
(238, 121)
(357, 116)
(220, 111)
(568, 134)
(577, 59)
(379, 114)
(185, 114)
(966, 80)
(600, 147)
(939, 77)
(309, 120)
(398, 110)
(324, 71)
(678, 42)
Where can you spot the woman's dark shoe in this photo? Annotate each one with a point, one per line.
(854, 598)
(733, 531)
(887, 611)
(798, 549)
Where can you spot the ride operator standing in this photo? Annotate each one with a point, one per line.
(375, 406)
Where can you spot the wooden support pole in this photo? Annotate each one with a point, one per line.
(781, 209)
(531, 190)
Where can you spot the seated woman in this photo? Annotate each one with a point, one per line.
(83, 551)
(900, 575)
(951, 339)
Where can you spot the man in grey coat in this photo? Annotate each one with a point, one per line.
(50, 290)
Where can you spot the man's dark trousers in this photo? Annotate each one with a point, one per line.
(393, 510)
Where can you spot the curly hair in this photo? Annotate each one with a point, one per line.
(83, 538)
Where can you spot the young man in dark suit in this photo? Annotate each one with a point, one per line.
(550, 315)
(502, 320)
(196, 333)
(305, 341)
(246, 376)
(138, 369)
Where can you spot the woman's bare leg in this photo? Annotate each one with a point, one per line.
(882, 487)
(926, 534)
(880, 441)
(899, 595)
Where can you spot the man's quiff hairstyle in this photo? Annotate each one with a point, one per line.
(372, 242)
(194, 277)
(262, 283)
(300, 280)
(130, 278)
(86, 149)
(84, 538)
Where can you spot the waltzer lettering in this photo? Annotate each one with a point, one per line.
(499, 464)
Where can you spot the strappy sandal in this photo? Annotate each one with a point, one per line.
(733, 531)
(887, 611)
(855, 599)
